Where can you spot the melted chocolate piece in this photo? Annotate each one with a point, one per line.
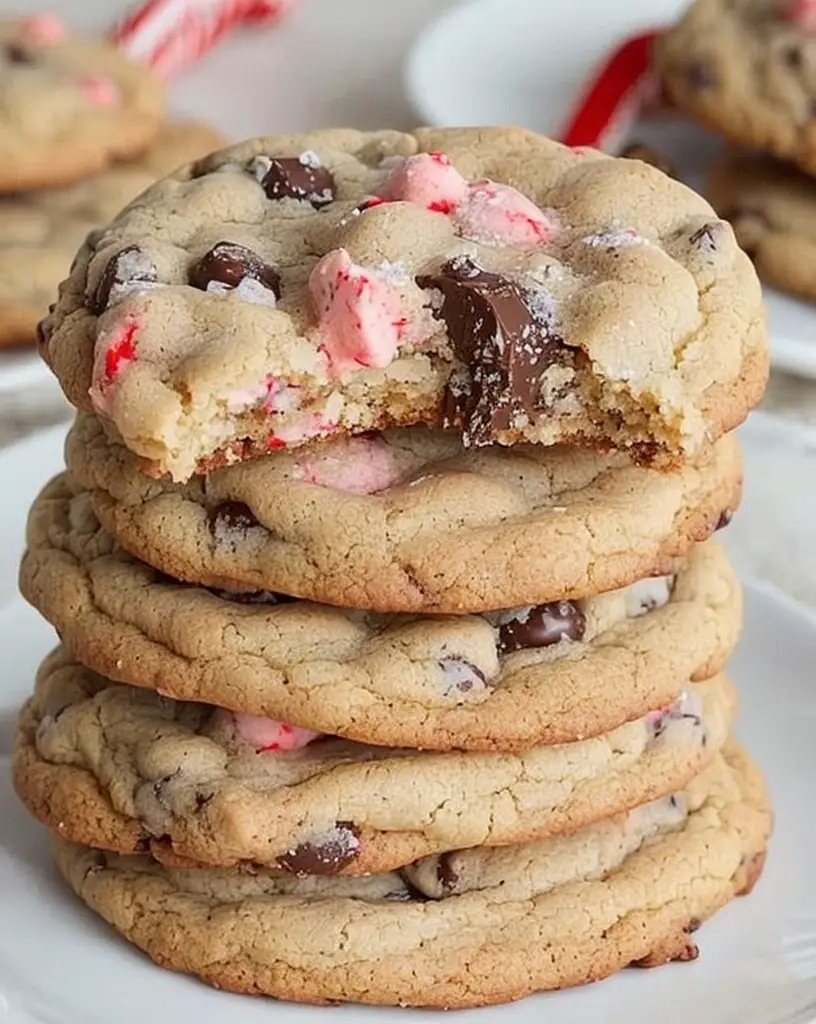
(446, 873)
(324, 856)
(543, 626)
(229, 264)
(113, 274)
(296, 178)
(506, 341)
(231, 515)
(460, 675)
(16, 53)
(252, 596)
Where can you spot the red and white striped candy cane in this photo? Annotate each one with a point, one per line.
(803, 13)
(170, 35)
(614, 98)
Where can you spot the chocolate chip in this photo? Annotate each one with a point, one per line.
(228, 263)
(704, 238)
(694, 924)
(504, 336)
(637, 151)
(326, 855)
(461, 676)
(16, 53)
(446, 872)
(725, 518)
(202, 799)
(792, 55)
(129, 264)
(542, 626)
(701, 75)
(231, 515)
(299, 178)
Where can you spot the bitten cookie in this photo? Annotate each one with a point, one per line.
(41, 231)
(772, 208)
(70, 105)
(490, 279)
(409, 520)
(476, 927)
(124, 769)
(745, 67)
(508, 680)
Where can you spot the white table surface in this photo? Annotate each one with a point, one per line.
(341, 62)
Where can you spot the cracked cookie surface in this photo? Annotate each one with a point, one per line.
(299, 286)
(411, 521)
(476, 927)
(41, 231)
(772, 208)
(747, 68)
(70, 105)
(125, 769)
(507, 680)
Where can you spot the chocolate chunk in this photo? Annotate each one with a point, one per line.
(542, 626)
(326, 855)
(299, 178)
(694, 924)
(446, 872)
(505, 337)
(637, 151)
(725, 518)
(228, 263)
(231, 515)
(16, 53)
(461, 676)
(129, 264)
(701, 75)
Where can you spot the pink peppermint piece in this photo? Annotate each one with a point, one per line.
(116, 351)
(267, 734)
(427, 179)
(359, 316)
(363, 465)
(803, 14)
(45, 29)
(497, 214)
(100, 90)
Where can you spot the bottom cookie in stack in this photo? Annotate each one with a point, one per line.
(470, 928)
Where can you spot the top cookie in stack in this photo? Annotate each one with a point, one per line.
(385, 534)
(488, 279)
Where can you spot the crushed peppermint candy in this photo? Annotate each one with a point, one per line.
(249, 289)
(615, 239)
(310, 159)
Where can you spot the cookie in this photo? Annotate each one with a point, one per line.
(744, 67)
(125, 769)
(71, 104)
(479, 927)
(489, 279)
(772, 208)
(409, 520)
(507, 680)
(41, 231)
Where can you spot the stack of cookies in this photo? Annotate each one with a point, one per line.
(393, 638)
(81, 134)
(745, 68)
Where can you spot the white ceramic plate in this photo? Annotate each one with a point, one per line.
(526, 62)
(758, 966)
